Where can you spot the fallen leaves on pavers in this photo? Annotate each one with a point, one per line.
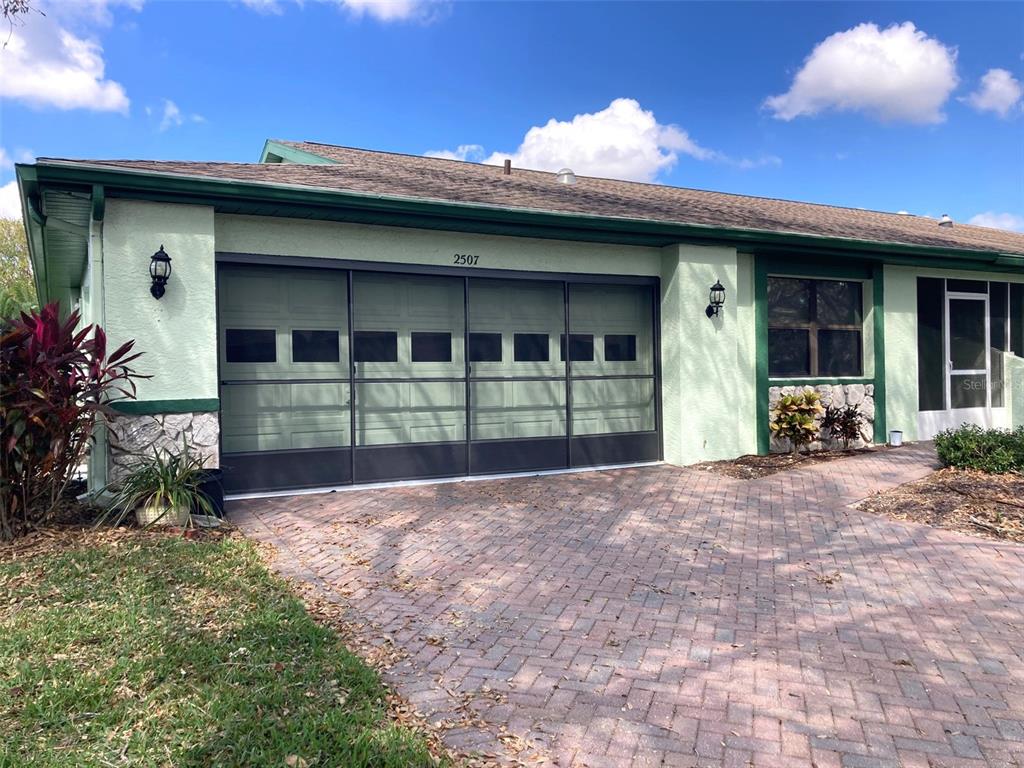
(967, 501)
(377, 649)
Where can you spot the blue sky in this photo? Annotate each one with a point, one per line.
(920, 112)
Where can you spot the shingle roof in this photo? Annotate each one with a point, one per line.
(384, 173)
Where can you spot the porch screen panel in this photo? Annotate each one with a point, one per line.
(409, 340)
(517, 375)
(283, 359)
(1017, 318)
(931, 368)
(998, 309)
(613, 389)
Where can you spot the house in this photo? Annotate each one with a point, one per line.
(464, 319)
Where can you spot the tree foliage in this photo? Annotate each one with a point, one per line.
(17, 288)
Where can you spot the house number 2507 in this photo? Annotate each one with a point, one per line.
(466, 259)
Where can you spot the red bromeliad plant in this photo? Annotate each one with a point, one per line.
(54, 382)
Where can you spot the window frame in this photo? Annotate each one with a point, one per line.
(813, 326)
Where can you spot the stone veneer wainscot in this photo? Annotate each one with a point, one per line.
(862, 395)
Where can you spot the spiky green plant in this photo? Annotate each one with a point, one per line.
(164, 480)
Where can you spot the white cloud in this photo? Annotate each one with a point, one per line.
(10, 201)
(270, 7)
(387, 10)
(7, 160)
(999, 92)
(173, 116)
(1009, 221)
(622, 141)
(382, 10)
(472, 152)
(898, 73)
(45, 64)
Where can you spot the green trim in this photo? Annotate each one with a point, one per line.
(99, 202)
(878, 317)
(810, 268)
(815, 381)
(141, 407)
(256, 197)
(761, 265)
(291, 154)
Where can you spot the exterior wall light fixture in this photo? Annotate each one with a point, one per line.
(716, 299)
(160, 271)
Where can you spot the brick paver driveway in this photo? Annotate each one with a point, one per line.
(658, 615)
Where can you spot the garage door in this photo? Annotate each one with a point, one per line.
(334, 376)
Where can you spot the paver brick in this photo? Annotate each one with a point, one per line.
(667, 616)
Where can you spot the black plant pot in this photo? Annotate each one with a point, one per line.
(212, 487)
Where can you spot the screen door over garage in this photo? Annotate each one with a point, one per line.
(338, 375)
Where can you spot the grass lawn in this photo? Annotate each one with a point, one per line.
(145, 649)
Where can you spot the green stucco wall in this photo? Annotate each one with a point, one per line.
(332, 240)
(1014, 371)
(707, 364)
(178, 333)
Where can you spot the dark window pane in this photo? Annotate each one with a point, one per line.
(789, 352)
(966, 286)
(581, 347)
(931, 369)
(839, 353)
(619, 347)
(967, 334)
(315, 347)
(250, 345)
(789, 301)
(375, 346)
(531, 347)
(838, 302)
(1017, 318)
(431, 347)
(485, 347)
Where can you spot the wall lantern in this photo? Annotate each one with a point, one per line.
(160, 271)
(716, 299)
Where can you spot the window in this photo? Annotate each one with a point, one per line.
(530, 347)
(815, 327)
(581, 347)
(485, 347)
(431, 347)
(375, 346)
(315, 347)
(620, 347)
(250, 345)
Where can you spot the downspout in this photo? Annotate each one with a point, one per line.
(99, 457)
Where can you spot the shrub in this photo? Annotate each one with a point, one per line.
(989, 450)
(54, 381)
(794, 418)
(844, 423)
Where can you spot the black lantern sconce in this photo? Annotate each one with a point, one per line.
(716, 299)
(160, 271)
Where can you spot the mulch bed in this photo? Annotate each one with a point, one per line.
(967, 501)
(752, 467)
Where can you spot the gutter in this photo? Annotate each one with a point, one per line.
(178, 184)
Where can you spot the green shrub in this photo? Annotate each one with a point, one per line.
(795, 418)
(989, 450)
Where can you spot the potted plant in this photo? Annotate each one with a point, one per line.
(162, 489)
